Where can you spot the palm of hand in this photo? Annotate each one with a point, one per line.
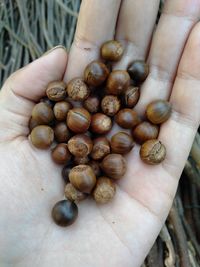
(121, 232)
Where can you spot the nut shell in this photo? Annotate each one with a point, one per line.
(114, 166)
(118, 81)
(77, 89)
(152, 152)
(145, 131)
(78, 120)
(127, 118)
(101, 148)
(131, 96)
(95, 73)
(110, 105)
(138, 71)
(121, 143)
(56, 91)
(42, 136)
(158, 111)
(104, 190)
(83, 178)
(112, 50)
(64, 213)
(80, 145)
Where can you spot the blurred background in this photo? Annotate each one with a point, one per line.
(28, 28)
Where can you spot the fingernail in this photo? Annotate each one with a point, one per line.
(54, 48)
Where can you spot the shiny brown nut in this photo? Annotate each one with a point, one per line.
(127, 118)
(78, 120)
(145, 131)
(138, 71)
(62, 133)
(42, 136)
(72, 194)
(114, 166)
(101, 148)
(56, 91)
(110, 105)
(61, 109)
(60, 154)
(32, 123)
(42, 114)
(118, 81)
(152, 152)
(77, 89)
(112, 50)
(100, 123)
(104, 190)
(81, 160)
(121, 143)
(95, 73)
(64, 213)
(95, 165)
(131, 96)
(80, 145)
(83, 178)
(92, 104)
(158, 111)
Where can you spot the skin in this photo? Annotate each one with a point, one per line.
(122, 232)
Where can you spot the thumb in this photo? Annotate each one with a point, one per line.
(28, 85)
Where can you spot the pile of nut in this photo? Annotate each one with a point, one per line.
(74, 119)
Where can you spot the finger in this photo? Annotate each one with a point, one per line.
(29, 84)
(179, 131)
(96, 24)
(134, 29)
(176, 22)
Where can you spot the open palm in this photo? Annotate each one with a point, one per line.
(120, 233)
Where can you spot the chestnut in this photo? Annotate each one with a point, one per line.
(60, 154)
(42, 114)
(131, 96)
(62, 133)
(101, 148)
(118, 81)
(127, 118)
(138, 71)
(61, 109)
(80, 145)
(152, 152)
(100, 123)
(56, 91)
(83, 178)
(95, 165)
(77, 89)
(158, 111)
(104, 190)
(42, 136)
(114, 166)
(145, 131)
(112, 50)
(72, 194)
(92, 104)
(95, 73)
(121, 143)
(110, 105)
(78, 120)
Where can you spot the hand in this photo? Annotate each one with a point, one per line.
(122, 232)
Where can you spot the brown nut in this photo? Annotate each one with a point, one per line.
(42, 136)
(110, 105)
(152, 152)
(60, 154)
(65, 172)
(95, 73)
(121, 143)
(101, 148)
(62, 133)
(127, 118)
(47, 101)
(138, 71)
(61, 109)
(78, 120)
(104, 190)
(131, 96)
(42, 113)
(145, 131)
(95, 166)
(77, 89)
(56, 91)
(64, 213)
(92, 104)
(100, 123)
(114, 166)
(112, 50)
(80, 145)
(72, 194)
(83, 178)
(158, 111)
(81, 160)
(118, 82)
